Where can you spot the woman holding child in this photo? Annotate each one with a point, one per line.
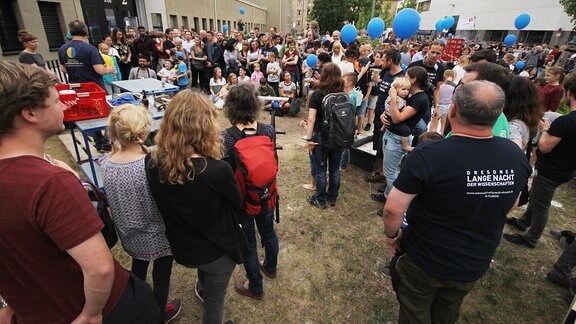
(416, 107)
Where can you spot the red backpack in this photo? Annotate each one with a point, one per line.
(256, 166)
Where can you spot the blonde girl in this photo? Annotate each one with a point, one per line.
(139, 223)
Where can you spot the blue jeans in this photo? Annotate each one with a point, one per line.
(325, 159)
(392, 149)
(418, 130)
(265, 224)
(536, 214)
(345, 159)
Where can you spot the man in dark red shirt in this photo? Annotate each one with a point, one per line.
(55, 266)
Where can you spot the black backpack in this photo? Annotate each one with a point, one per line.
(100, 202)
(338, 121)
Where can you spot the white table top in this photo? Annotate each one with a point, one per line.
(273, 98)
(148, 85)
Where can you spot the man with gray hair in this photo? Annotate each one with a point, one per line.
(456, 196)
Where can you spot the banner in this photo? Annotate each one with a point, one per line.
(467, 23)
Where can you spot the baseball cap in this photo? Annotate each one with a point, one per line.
(179, 55)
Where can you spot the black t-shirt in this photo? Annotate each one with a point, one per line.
(464, 187)
(384, 86)
(316, 103)
(31, 58)
(79, 59)
(435, 75)
(560, 163)
(420, 103)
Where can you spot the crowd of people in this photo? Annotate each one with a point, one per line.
(436, 128)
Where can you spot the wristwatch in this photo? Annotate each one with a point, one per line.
(3, 303)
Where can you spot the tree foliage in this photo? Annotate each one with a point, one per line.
(333, 14)
(409, 4)
(570, 9)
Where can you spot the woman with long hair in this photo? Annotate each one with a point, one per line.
(253, 55)
(243, 54)
(242, 109)
(123, 50)
(197, 196)
(29, 54)
(523, 109)
(322, 157)
(198, 61)
(337, 52)
(416, 107)
(552, 92)
(290, 60)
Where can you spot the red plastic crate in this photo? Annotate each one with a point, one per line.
(88, 101)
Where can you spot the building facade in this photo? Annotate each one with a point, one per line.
(492, 20)
(48, 19)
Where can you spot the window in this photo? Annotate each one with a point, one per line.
(185, 22)
(299, 12)
(173, 21)
(219, 24)
(204, 24)
(212, 24)
(51, 22)
(197, 24)
(8, 28)
(157, 22)
(424, 6)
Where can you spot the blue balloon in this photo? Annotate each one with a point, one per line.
(311, 60)
(510, 40)
(406, 23)
(522, 21)
(439, 25)
(376, 27)
(348, 34)
(520, 65)
(448, 22)
(224, 27)
(403, 66)
(242, 10)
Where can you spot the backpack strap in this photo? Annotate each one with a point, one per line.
(235, 132)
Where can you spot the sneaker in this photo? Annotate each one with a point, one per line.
(332, 203)
(375, 177)
(239, 287)
(556, 234)
(199, 292)
(384, 268)
(566, 282)
(314, 202)
(173, 308)
(367, 127)
(379, 197)
(519, 239)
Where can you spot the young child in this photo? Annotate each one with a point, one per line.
(134, 211)
(182, 72)
(446, 91)
(109, 61)
(402, 85)
(256, 75)
(350, 80)
(167, 73)
(273, 71)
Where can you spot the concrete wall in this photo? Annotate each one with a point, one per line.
(500, 15)
(28, 16)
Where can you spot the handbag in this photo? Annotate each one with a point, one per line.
(197, 65)
(100, 202)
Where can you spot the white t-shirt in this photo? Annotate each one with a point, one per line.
(346, 67)
(217, 85)
(273, 77)
(245, 79)
(288, 88)
(170, 75)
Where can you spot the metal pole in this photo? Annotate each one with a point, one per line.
(373, 8)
